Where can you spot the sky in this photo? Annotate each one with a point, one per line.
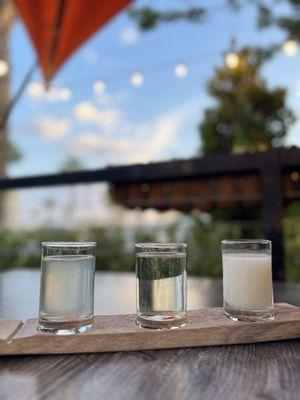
(124, 124)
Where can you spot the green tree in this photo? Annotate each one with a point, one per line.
(248, 115)
(283, 14)
(148, 18)
(72, 164)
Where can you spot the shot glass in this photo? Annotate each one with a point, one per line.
(67, 287)
(161, 285)
(247, 279)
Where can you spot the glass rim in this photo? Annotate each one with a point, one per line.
(246, 241)
(69, 244)
(160, 246)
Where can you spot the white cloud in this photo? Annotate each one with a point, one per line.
(51, 128)
(37, 91)
(111, 100)
(129, 35)
(138, 143)
(86, 141)
(104, 100)
(108, 119)
(91, 142)
(85, 112)
(99, 86)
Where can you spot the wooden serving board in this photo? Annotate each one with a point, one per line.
(207, 327)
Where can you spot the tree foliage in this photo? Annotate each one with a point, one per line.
(269, 13)
(72, 164)
(13, 154)
(248, 115)
(148, 18)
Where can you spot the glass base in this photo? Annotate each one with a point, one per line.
(64, 327)
(237, 314)
(161, 320)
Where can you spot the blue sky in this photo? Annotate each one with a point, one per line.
(127, 124)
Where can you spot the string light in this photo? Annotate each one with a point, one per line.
(180, 70)
(99, 87)
(37, 91)
(290, 47)
(4, 68)
(137, 79)
(295, 176)
(232, 60)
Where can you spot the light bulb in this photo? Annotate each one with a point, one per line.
(137, 79)
(232, 60)
(99, 87)
(295, 176)
(4, 68)
(180, 70)
(290, 48)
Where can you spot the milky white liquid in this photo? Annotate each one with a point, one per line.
(247, 280)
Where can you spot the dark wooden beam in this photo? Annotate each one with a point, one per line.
(272, 210)
(196, 167)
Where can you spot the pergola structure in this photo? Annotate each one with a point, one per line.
(266, 181)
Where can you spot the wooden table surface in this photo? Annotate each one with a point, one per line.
(261, 371)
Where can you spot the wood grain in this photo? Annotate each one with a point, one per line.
(264, 371)
(205, 327)
(8, 327)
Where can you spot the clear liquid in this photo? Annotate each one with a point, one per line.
(67, 289)
(161, 289)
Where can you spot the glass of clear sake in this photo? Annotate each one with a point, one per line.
(161, 285)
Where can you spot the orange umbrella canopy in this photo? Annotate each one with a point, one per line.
(58, 27)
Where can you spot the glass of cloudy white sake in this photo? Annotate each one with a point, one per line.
(247, 279)
(67, 287)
